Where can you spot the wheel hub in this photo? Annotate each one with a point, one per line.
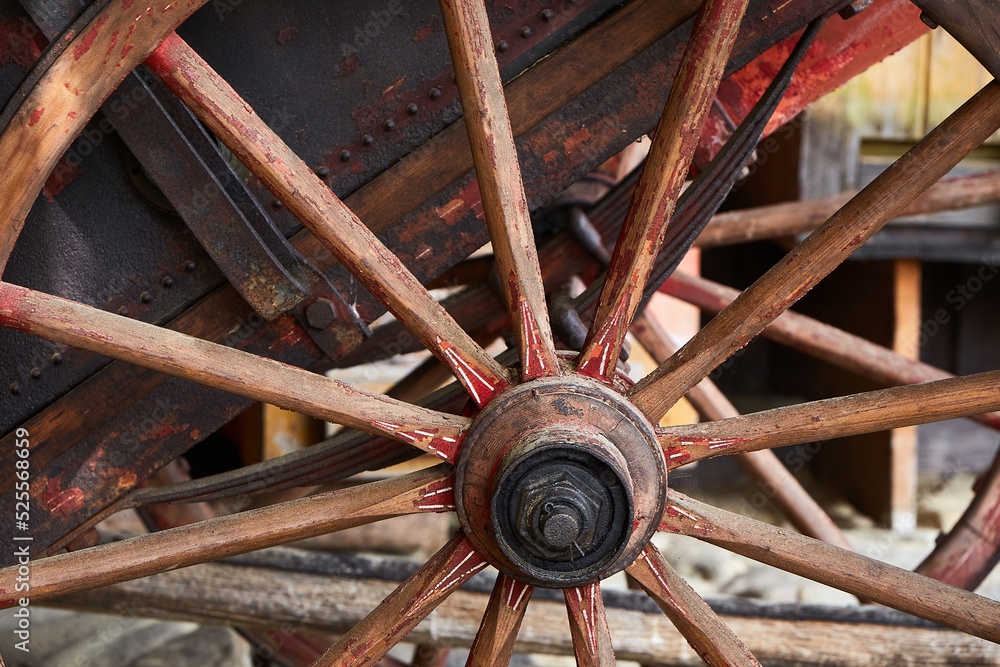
(561, 482)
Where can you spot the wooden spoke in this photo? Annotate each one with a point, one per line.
(499, 176)
(315, 205)
(228, 369)
(707, 634)
(494, 642)
(866, 412)
(680, 128)
(821, 252)
(588, 624)
(406, 606)
(821, 340)
(230, 535)
(796, 217)
(865, 577)
(795, 502)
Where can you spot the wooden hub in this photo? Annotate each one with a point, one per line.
(560, 482)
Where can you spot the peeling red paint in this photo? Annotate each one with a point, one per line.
(88, 40)
(36, 116)
(59, 500)
(64, 173)
(127, 4)
(425, 31)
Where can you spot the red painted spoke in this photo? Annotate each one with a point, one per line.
(313, 203)
(494, 642)
(795, 502)
(666, 168)
(866, 412)
(499, 175)
(227, 536)
(707, 634)
(865, 577)
(589, 626)
(820, 340)
(406, 606)
(821, 252)
(227, 369)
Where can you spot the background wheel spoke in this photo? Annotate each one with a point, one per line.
(406, 606)
(219, 106)
(227, 369)
(230, 535)
(865, 577)
(690, 614)
(821, 252)
(500, 186)
(821, 340)
(494, 641)
(795, 502)
(680, 128)
(866, 412)
(588, 624)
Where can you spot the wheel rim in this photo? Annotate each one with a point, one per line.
(635, 461)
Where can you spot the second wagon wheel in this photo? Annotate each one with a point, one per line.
(560, 477)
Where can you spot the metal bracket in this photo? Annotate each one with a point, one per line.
(183, 161)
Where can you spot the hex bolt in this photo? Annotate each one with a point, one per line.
(322, 171)
(545, 14)
(502, 46)
(389, 125)
(167, 282)
(561, 527)
(412, 109)
(57, 358)
(368, 140)
(345, 155)
(524, 31)
(321, 313)
(434, 93)
(560, 510)
(191, 265)
(145, 297)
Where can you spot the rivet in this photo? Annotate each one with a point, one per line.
(123, 311)
(502, 45)
(276, 203)
(35, 372)
(322, 171)
(145, 297)
(167, 282)
(928, 21)
(545, 14)
(190, 265)
(368, 140)
(15, 388)
(524, 31)
(411, 109)
(345, 155)
(389, 125)
(57, 358)
(434, 93)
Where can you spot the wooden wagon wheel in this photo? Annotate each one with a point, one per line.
(560, 478)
